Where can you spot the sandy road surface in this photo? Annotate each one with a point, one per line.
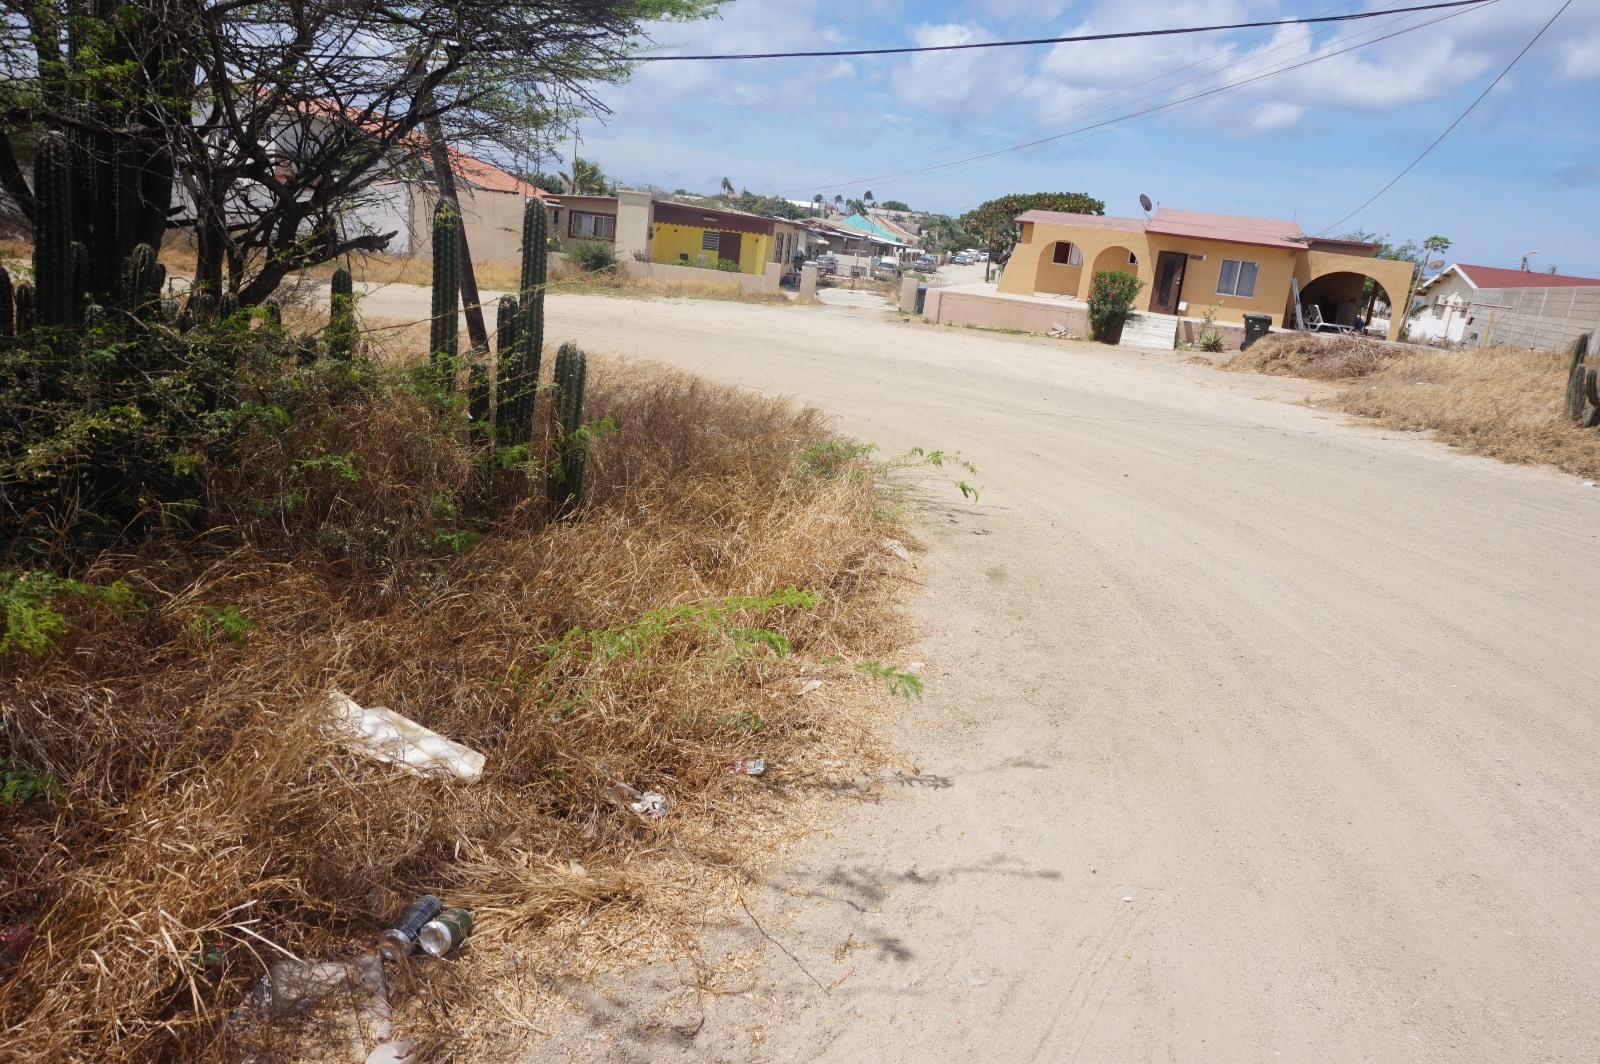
(1251, 735)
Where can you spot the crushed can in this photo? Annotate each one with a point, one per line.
(401, 939)
(445, 932)
(747, 766)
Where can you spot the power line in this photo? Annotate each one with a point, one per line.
(1080, 38)
(1459, 118)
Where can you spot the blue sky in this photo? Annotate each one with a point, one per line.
(1521, 174)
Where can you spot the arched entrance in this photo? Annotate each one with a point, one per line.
(1349, 299)
(1060, 268)
(1114, 259)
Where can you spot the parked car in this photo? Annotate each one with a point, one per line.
(925, 264)
(963, 258)
(887, 264)
(828, 265)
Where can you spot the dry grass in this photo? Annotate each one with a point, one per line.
(200, 802)
(494, 277)
(1321, 358)
(1503, 402)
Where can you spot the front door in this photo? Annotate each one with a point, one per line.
(1168, 290)
(728, 246)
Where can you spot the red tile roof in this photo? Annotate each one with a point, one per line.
(1492, 277)
(1261, 232)
(489, 176)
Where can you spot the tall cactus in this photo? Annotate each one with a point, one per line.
(341, 315)
(446, 293)
(478, 398)
(27, 315)
(571, 439)
(7, 321)
(508, 362)
(139, 288)
(1575, 379)
(519, 373)
(53, 260)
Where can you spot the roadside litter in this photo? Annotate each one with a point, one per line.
(652, 805)
(445, 932)
(400, 940)
(385, 735)
(898, 549)
(342, 1007)
(747, 766)
(809, 686)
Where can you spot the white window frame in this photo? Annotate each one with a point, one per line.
(1074, 254)
(583, 226)
(1234, 284)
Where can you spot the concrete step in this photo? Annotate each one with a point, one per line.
(1150, 332)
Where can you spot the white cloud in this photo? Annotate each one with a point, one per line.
(1580, 58)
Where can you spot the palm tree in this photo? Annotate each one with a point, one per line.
(838, 201)
(855, 206)
(817, 199)
(727, 187)
(587, 179)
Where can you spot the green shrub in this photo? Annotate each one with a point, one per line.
(1111, 301)
(728, 266)
(592, 256)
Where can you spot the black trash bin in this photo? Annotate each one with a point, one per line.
(1255, 327)
(922, 296)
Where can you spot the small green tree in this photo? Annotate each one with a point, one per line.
(1111, 301)
(592, 256)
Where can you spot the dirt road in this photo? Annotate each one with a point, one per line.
(1250, 734)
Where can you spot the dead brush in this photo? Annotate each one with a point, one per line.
(1503, 402)
(200, 807)
(1321, 358)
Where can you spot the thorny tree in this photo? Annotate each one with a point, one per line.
(262, 124)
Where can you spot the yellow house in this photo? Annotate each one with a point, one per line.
(1190, 260)
(643, 228)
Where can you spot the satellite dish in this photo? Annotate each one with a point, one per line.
(1435, 264)
(1144, 201)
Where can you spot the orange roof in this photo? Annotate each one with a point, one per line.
(489, 176)
(1495, 277)
(1093, 221)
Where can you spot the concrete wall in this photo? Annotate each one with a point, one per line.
(493, 221)
(946, 307)
(766, 281)
(1547, 319)
(1189, 330)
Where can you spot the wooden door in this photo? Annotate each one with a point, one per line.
(728, 246)
(1168, 289)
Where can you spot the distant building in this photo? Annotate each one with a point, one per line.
(1483, 306)
(1189, 261)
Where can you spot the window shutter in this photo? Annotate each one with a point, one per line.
(710, 240)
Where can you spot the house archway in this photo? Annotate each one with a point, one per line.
(1345, 298)
(1060, 268)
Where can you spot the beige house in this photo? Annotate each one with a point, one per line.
(1190, 261)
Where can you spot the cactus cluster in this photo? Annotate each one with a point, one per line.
(567, 429)
(446, 293)
(1583, 387)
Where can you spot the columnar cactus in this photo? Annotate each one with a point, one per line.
(508, 361)
(139, 287)
(478, 397)
(571, 439)
(341, 315)
(446, 293)
(7, 322)
(519, 360)
(27, 315)
(52, 232)
(1576, 379)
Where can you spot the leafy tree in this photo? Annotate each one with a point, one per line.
(994, 224)
(941, 232)
(767, 206)
(856, 206)
(895, 205)
(276, 116)
(1111, 301)
(548, 182)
